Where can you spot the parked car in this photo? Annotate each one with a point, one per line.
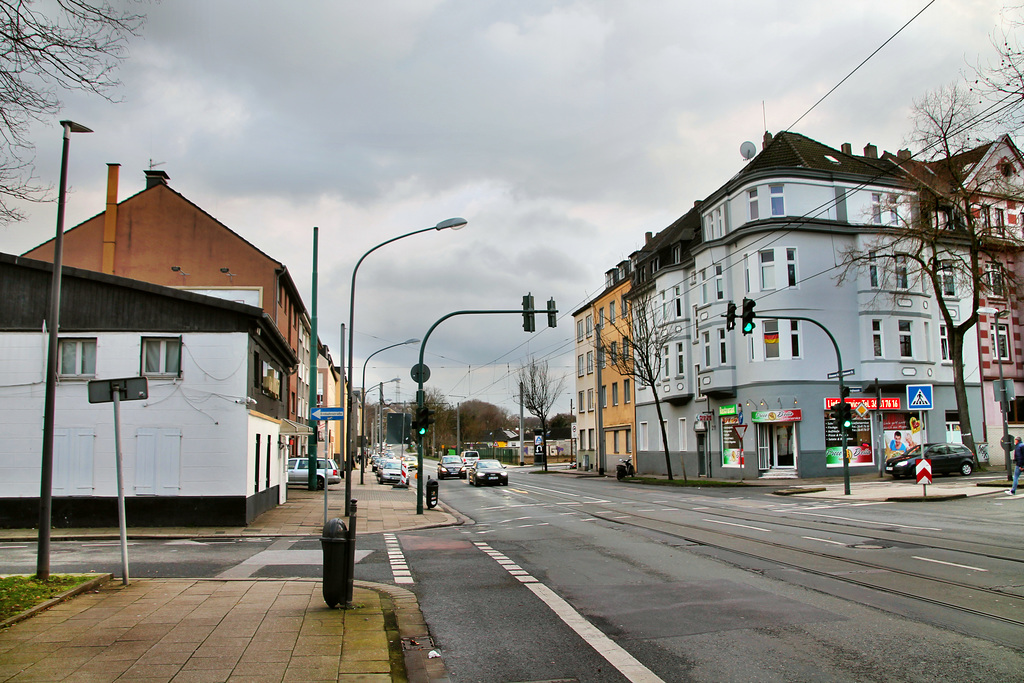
(389, 472)
(470, 457)
(327, 470)
(484, 472)
(451, 466)
(946, 458)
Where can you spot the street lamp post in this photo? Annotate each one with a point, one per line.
(1003, 402)
(53, 322)
(450, 223)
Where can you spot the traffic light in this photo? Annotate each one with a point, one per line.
(552, 313)
(748, 315)
(730, 316)
(529, 325)
(424, 418)
(844, 416)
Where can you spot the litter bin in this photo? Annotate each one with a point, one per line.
(431, 493)
(338, 544)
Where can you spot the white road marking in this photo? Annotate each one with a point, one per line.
(755, 528)
(626, 664)
(399, 567)
(865, 521)
(950, 564)
(561, 493)
(823, 540)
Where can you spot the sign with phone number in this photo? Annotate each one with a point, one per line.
(869, 403)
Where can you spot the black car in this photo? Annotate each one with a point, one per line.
(451, 466)
(946, 458)
(487, 472)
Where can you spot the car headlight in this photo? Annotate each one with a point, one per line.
(902, 463)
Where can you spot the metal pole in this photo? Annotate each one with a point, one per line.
(522, 453)
(50, 400)
(1002, 398)
(122, 524)
(601, 450)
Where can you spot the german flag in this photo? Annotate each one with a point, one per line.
(771, 337)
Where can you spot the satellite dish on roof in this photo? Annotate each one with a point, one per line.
(748, 150)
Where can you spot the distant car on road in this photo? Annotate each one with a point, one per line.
(411, 462)
(484, 472)
(389, 472)
(947, 458)
(327, 470)
(470, 457)
(451, 466)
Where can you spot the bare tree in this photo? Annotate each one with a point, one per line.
(540, 391)
(71, 45)
(942, 242)
(648, 335)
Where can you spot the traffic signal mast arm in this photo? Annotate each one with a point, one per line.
(551, 310)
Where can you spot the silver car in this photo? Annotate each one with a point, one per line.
(327, 471)
(389, 472)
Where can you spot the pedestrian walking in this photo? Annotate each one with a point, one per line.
(1018, 464)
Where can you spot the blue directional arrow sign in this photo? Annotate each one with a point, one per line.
(327, 413)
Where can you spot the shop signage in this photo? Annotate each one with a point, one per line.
(869, 403)
(776, 416)
(728, 410)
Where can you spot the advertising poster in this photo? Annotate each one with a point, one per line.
(858, 448)
(902, 431)
(731, 445)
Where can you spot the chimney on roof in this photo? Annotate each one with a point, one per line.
(904, 155)
(767, 139)
(870, 151)
(846, 148)
(647, 237)
(155, 177)
(110, 219)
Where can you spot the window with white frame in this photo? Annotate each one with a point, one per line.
(876, 337)
(994, 278)
(947, 279)
(794, 338)
(706, 338)
(766, 259)
(1003, 341)
(893, 204)
(665, 365)
(944, 343)
(876, 208)
(906, 339)
(590, 325)
(579, 330)
(722, 360)
(579, 365)
(680, 360)
(604, 396)
(719, 229)
(615, 393)
(590, 400)
(778, 203)
(613, 351)
(629, 440)
(611, 311)
(752, 202)
(719, 283)
(770, 329)
(615, 441)
(791, 266)
(626, 396)
(77, 358)
(579, 406)
(590, 362)
(642, 436)
(679, 302)
(873, 270)
(704, 286)
(600, 316)
(902, 278)
(161, 356)
(683, 433)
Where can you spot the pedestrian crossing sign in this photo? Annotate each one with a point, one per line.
(919, 397)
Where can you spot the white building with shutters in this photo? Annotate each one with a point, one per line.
(206, 446)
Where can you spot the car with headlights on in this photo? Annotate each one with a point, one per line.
(947, 458)
(451, 466)
(485, 472)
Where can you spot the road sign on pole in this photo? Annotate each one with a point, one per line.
(924, 473)
(337, 413)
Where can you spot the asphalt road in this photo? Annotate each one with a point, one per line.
(557, 578)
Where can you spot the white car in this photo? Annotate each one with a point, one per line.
(470, 457)
(327, 470)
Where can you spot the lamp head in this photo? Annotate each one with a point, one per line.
(453, 223)
(72, 127)
(411, 341)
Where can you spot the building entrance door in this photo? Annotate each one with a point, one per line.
(776, 448)
(702, 456)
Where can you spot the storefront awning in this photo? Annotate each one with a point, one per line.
(290, 428)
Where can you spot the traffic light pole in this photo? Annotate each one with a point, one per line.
(420, 378)
(842, 390)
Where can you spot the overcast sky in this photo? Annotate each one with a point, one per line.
(562, 131)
